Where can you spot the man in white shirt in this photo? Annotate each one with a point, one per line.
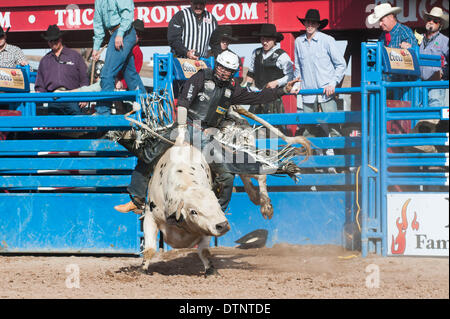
(320, 65)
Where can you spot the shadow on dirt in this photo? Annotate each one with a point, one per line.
(189, 265)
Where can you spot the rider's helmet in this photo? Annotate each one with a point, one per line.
(226, 65)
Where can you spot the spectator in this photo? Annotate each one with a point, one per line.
(320, 65)
(190, 30)
(395, 34)
(220, 40)
(117, 20)
(61, 69)
(270, 67)
(435, 43)
(10, 55)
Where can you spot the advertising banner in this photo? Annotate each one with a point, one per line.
(154, 15)
(418, 224)
(400, 61)
(11, 80)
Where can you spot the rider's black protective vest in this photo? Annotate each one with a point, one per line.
(266, 70)
(212, 102)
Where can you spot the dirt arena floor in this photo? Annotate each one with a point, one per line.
(284, 271)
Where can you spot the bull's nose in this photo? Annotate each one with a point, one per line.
(223, 227)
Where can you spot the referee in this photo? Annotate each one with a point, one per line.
(190, 29)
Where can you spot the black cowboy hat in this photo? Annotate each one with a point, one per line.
(314, 15)
(3, 32)
(270, 31)
(52, 33)
(223, 32)
(138, 25)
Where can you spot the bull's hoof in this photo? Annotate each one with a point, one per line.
(211, 271)
(145, 268)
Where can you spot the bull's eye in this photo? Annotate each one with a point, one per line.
(193, 212)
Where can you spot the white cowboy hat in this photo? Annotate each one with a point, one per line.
(437, 12)
(382, 10)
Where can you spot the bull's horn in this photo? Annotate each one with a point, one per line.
(178, 213)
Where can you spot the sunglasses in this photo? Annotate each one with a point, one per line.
(437, 21)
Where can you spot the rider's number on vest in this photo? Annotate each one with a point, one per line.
(221, 110)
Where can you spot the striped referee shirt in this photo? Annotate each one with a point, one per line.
(186, 32)
(11, 56)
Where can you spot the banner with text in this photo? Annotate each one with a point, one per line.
(81, 17)
(418, 224)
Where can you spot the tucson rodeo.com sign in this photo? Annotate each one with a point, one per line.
(154, 15)
(418, 224)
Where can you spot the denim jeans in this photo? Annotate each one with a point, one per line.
(68, 108)
(321, 130)
(119, 60)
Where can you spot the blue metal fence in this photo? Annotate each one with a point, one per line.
(377, 161)
(63, 202)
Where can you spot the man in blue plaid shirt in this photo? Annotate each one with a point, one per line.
(395, 34)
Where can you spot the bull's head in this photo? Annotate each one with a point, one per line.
(200, 212)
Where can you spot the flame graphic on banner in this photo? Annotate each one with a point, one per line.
(415, 224)
(400, 241)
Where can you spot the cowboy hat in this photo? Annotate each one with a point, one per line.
(52, 33)
(314, 15)
(437, 12)
(138, 25)
(2, 32)
(269, 30)
(223, 32)
(381, 11)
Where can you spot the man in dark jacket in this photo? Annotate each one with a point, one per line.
(207, 96)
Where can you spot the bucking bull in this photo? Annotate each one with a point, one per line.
(181, 202)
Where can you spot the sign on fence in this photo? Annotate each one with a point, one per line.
(418, 224)
(400, 61)
(11, 80)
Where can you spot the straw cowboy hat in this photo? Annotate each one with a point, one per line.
(52, 33)
(314, 15)
(437, 12)
(269, 30)
(381, 11)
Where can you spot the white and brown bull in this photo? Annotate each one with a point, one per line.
(182, 205)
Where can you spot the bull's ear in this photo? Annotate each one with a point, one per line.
(179, 208)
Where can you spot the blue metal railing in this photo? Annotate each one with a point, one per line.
(376, 160)
(371, 182)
